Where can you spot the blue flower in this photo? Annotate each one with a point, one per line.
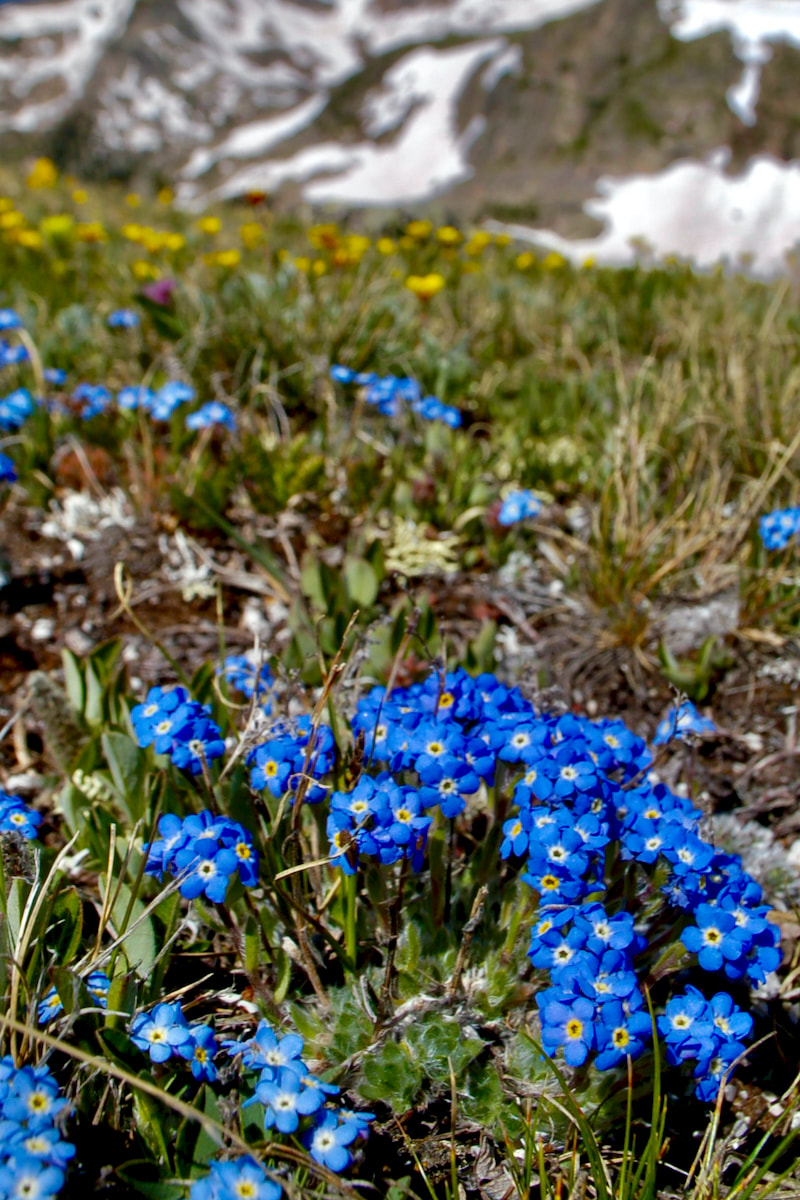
(214, 412)
(135, 397)
(518, 506)
(123, 318)
(286, 1100)
(328, 1142)
(779, 527)
(715, 939)
(8, 472)
(200, 1052)
(17, 817)
(9, 319)
(56, 375)
(162, 1032)
(207, 871)
(620, 1034)
(26, 1176)
(246, 677)
(241, 1179)
(682, 722)
(569, 1023)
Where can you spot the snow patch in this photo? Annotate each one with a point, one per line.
(691, 210)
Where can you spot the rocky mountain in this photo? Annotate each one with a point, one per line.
(505, 109)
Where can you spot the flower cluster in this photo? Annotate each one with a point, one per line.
(33, 1155)
(174, 724)
(15, 408)
(246, 676)
(10, 355)
(712, 1032)
(682, 722)
(778, 528)
(583, 803)
(214, 412)
(295, 752)
(392, 395)
(290, 1092)
(97, 984)
(518, 506)
(204, 852)
(236, 1179)
(8, 472)
(123, 318)
(165, 1033)
(18, 817)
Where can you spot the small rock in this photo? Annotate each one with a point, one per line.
(43, 629)
(77, 641)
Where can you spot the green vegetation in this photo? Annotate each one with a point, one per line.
(218, 863)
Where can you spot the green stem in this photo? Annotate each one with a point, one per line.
(350, 919)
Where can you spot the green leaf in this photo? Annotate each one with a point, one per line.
(73, 679)
(93, 707)
(126, 762)
(361, 581)
(140, 940)
(68, 913)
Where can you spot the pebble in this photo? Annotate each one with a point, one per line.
(43, 629)
(77, 641)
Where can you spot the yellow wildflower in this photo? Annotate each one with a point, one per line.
(209, 225)
(252, 234)
(6, 204)
(43, 174)
(324, 237)
(228, 258)
(385, 245)
(303, 264)
(448, 235)
(80, 196)
(175, 242)
(419, 230)
(133, 200)
(554, 261)
(425, 287)
(134, 233)
(91, 231)
(30, 238)
(11, 220)
(524, 261)
(58, 227)
(502, 239)
(154, 240)
(145, 270)
(319, 266)
(165, 196)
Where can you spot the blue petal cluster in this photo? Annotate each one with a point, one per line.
(174, 724)
(246, 676)
(294, 752)
(8, 472)
(15, 408)
(123, 318)
(233, 1180)
(204, 851)
(33, 1155)
(164, 1033)
(214, 412)
(682, 722)
(778, 528)
(18, 817)
(582, 801)
(10, 355)
(518, 506)
(290, 1093)
(97, 984)
(392, 396)
(712, 1032)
